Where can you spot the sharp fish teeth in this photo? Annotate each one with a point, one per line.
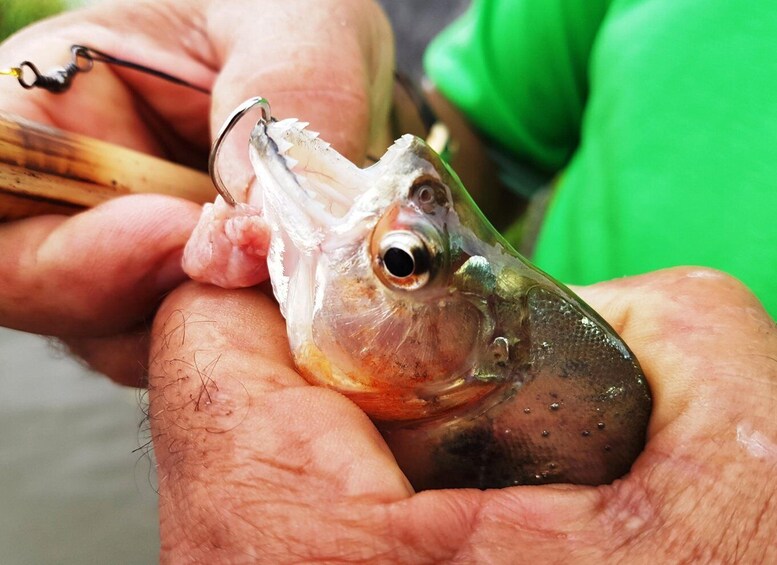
(283, 145)
(286, 124)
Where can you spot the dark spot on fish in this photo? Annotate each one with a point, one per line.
(480, 457)
(555, 406)
(545, 433)
(586, 433)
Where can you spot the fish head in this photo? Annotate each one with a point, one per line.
(361, 264)
(399, 293)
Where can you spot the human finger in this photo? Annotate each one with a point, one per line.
(642, 516)
(698, 318)
(327, 62)
(331, 68)
(123, 357)
(98, 273)
(112, 103)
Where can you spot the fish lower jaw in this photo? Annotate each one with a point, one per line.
(392, 405)
(385, 400)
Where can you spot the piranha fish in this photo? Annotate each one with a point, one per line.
(479, 369)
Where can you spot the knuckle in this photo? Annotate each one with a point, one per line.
(704, 289)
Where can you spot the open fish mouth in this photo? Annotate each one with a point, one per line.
(307, 186)
(310, 190)
(309, 198)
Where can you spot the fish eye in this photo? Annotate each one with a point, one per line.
(404, 260)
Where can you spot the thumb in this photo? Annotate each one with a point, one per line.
(93, 274)
(242, 441)
(703, 489)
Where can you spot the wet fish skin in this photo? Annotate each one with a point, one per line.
(478, 369)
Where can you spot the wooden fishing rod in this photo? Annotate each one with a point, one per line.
(44, 170)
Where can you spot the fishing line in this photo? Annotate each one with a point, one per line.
(82, 60)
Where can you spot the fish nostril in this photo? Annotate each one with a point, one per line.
(425, 194)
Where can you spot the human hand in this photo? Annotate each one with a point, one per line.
(95, 279)
(255, 464)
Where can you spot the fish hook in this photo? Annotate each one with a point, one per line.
(236, 115)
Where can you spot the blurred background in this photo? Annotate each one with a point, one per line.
(76, 485)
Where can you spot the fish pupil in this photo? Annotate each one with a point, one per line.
(398, 262)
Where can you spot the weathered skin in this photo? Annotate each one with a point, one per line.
(228, 247)
(479, 369)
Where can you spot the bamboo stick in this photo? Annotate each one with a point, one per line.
(45, 170)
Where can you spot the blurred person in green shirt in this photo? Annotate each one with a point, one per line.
(656, 117)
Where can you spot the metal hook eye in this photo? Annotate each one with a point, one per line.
(230, 122)
(82, 59)
(23, 81)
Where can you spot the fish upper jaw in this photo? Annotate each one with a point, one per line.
(311, 188)
(306, 185)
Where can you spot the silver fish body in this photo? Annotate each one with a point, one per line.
(478, 369)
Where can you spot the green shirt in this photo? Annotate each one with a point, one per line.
(660, 114)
